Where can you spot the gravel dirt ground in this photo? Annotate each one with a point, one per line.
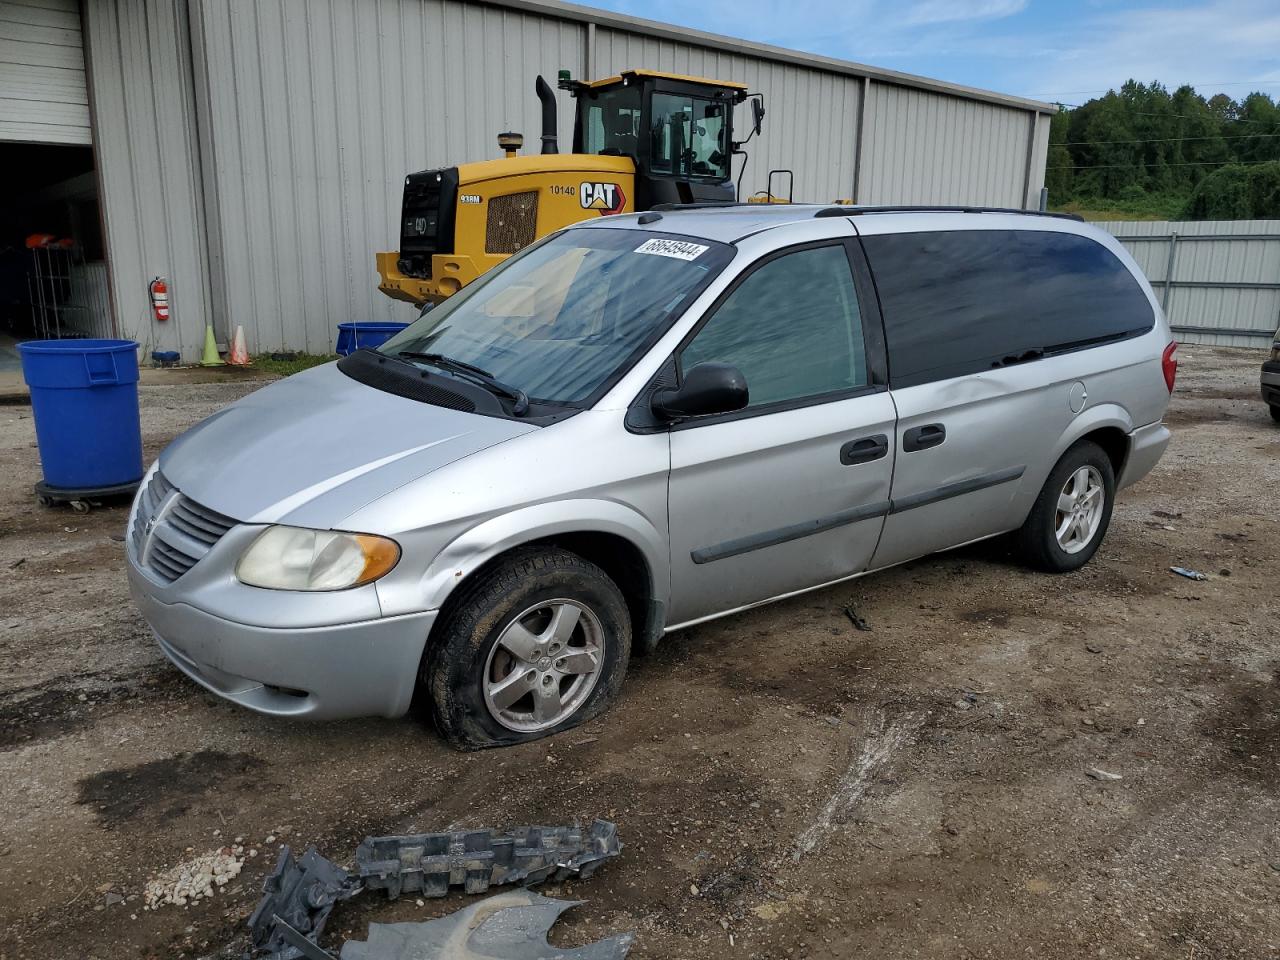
(786, 785)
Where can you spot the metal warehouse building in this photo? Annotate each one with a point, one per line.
(252, 152)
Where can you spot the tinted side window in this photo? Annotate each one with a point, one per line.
(962, 301)
(792, 327)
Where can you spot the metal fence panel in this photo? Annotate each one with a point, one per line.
(1218, 280)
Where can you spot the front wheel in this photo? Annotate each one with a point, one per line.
(1275, 412)
(536, 645)
(1071, 515)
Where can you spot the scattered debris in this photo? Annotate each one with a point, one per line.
(1098, 774)
(1166, 515)
(297, 899)
(857, 621)
(194, 879)
(299, 896)
(17, 563)
(475, 859)
(1092, 648)
(1189, 574)
(509, 926)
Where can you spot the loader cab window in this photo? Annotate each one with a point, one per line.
(688, 136)
(612, 123)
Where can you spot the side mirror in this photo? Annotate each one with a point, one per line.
(757, 114)
(707, 388)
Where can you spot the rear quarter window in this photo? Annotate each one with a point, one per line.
(958, 302)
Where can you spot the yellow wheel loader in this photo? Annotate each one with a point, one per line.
(640, 139)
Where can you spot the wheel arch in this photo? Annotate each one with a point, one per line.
(1108, 425)
(620, 541)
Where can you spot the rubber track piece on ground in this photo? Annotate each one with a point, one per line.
(429, 863)
(302, 894)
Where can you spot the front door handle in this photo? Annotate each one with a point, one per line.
(922, 438)
(864, 450)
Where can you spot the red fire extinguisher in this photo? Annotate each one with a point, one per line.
(159, 288)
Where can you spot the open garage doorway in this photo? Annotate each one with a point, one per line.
(53, 271)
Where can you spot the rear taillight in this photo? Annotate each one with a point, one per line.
(1169, 363)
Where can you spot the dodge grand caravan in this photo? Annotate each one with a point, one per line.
(638, 424)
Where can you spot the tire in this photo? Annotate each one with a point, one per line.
(1275, 412)
(517, 602)
(1038, 539)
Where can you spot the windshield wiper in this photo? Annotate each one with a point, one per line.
(468, 371)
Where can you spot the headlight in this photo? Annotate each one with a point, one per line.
(291, 558)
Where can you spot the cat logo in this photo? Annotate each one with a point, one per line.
(606, 197)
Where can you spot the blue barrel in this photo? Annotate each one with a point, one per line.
(84, 398)
(365, 336)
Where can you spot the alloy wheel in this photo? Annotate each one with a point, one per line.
(544, 665)
(1079, 510)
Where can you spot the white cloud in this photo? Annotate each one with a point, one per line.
(1060, 51)
(1220, 41)
(950, 11)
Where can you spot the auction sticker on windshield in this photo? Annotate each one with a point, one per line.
(679, 249)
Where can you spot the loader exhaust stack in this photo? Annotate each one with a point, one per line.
(548, 99)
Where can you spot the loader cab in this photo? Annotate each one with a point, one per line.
(678, 131)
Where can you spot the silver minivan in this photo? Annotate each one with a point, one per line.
(642, 423)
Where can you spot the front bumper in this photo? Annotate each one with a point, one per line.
(1271, 382)
(449, 274)
(1146, 447)
(319, 673)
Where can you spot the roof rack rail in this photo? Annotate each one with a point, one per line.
(851, 210)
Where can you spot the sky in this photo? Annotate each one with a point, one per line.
(1053, 50)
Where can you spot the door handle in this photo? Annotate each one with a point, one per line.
(922, 438)
(864, 450)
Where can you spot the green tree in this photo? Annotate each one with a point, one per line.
(1144, 149)
(1058, 174)
(1237, 192)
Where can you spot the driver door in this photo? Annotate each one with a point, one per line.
(790, 492)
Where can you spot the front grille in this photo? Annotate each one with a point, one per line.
(171, 532)
(512, 223)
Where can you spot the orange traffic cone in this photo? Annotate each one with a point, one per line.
(239, 354)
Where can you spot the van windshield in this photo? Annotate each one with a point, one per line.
(562, 319)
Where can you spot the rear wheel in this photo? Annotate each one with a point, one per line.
(536, 645)
(1275, 412)
(1071, 515)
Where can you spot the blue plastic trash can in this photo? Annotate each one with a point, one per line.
(84, 398)
(364, 336)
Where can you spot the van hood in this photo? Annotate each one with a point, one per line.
(312, 449)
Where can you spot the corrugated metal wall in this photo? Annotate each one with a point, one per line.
(148, 165)
(43, 97)
(318, 109)
(811, 124)
(1212, 276)
(924, 147)
(276, 136)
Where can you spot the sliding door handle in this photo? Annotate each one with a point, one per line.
(922, 438)
(864, 450)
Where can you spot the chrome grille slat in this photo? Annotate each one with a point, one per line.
(212, 523)
(171, 532)
(170, 570)
(173, 551)
(192, 527)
